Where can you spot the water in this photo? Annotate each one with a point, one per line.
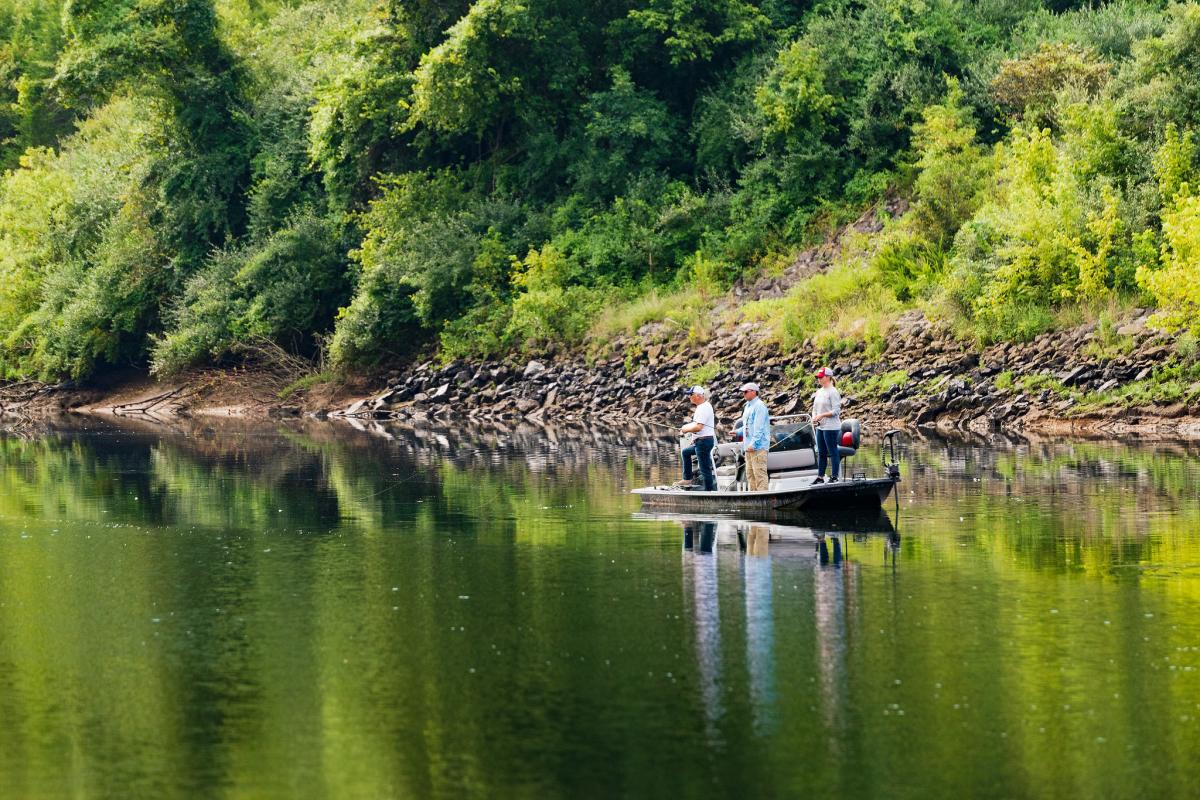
(324, 612)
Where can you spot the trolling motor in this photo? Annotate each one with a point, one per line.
(891, 464)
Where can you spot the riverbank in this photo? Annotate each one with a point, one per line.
(1070, 383)
(1116, 379)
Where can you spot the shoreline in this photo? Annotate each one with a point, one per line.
(542, 394)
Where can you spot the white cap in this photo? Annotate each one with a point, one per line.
(700, 390)
(749, 387)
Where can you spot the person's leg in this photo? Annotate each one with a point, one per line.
(704, 448)
(687, 454)
(835, 455)
(821, 456)
(756, 467)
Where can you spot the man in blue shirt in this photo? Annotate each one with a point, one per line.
(756, 437)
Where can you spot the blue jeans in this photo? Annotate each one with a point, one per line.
(827, 448)
(702, 450)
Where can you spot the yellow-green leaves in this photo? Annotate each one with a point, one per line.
(793, 98)
(461, 88)
(1175, 280)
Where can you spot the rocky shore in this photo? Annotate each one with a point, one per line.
(924, 379)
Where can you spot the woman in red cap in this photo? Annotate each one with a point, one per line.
(827, 424)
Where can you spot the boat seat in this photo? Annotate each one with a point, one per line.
(852, 427)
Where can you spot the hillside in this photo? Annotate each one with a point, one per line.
(357, 188)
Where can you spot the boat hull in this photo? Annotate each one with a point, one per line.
(849, 496)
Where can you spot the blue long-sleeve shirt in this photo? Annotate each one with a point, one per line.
(756, 426)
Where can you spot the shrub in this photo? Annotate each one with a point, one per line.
(82, 275)
(549, 310)
(1027, 86)
(285, 289)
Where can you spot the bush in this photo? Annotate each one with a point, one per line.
(550, 310)
(81, 275)
(1028, 86)
(1175, 284)
(285, 290)
(1051, 231)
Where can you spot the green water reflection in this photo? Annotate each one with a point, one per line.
(319, 611)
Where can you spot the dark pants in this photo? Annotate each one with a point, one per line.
(827, 448)
(702, 450)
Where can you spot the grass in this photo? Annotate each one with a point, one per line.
(1035, 383)
(1176, 382)
(875, 386)
(686, 311)
(703, 374)
(836, 310)
(307, 382)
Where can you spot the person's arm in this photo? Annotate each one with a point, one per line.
(762, 428)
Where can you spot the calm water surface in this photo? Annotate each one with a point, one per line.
(324, 612)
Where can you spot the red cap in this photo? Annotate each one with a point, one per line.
(824, 372)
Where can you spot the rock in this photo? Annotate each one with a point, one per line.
(533, 368)
(441, 394)
(420, 397)
(1075, 375)
(1135, 327)
(1111, 383)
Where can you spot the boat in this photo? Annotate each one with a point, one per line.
(792, 477)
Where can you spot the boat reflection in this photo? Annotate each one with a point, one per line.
(771, 557)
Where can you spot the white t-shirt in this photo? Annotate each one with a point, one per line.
(828, 399)
(705, 416)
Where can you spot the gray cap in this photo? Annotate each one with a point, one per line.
(749, 387)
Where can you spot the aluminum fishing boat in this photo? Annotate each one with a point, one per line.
(792, 477)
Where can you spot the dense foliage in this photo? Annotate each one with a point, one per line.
(369, 177)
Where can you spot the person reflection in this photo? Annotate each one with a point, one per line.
(700, 571)
(760, 627)
(830, 602)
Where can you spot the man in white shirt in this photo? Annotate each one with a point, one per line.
(704, 428)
